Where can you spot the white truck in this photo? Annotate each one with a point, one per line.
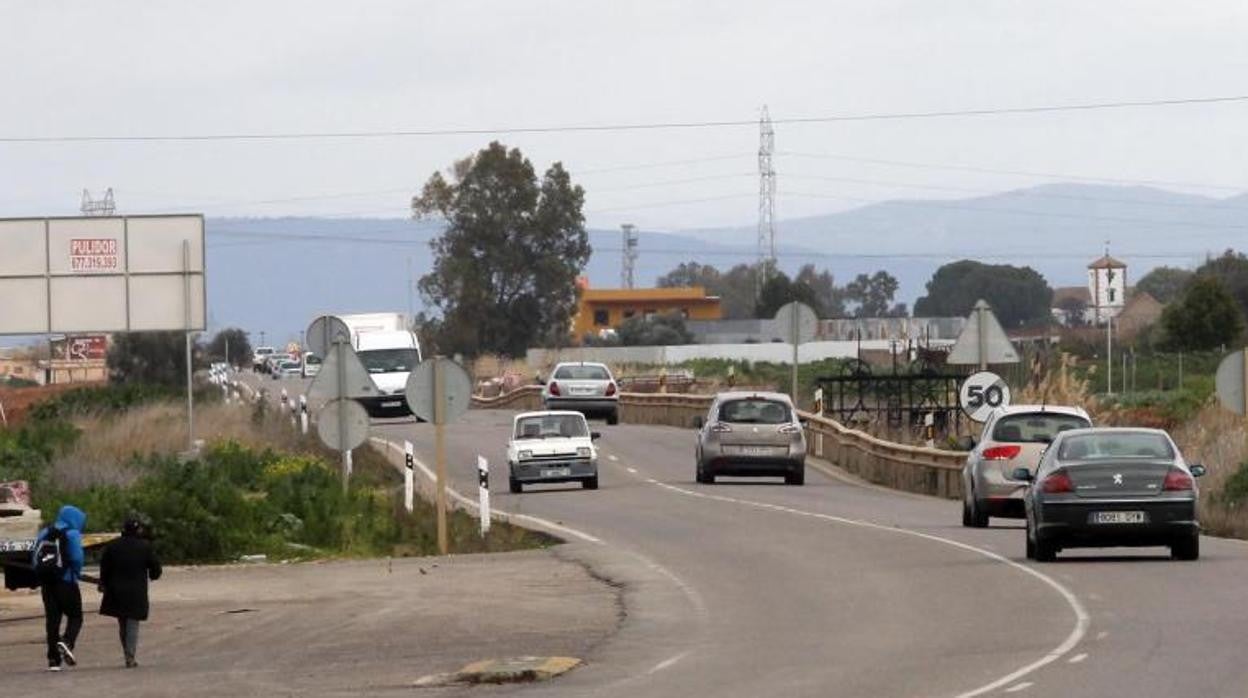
(389, 351)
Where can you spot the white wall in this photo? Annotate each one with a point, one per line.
(539, 359)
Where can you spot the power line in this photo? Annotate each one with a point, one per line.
(598, 128)
(1018, 173)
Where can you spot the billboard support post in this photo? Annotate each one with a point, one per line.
(190, 382)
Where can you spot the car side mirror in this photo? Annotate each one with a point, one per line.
(1197, 469)
(595, 435)
(804, 422)
(698, 422)
(1022, 474)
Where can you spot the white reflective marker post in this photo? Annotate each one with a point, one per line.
(409, 476)
(303, 414)
(483, 489)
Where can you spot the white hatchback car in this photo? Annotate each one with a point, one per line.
(552, 446)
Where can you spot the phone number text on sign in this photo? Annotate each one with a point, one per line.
(93, 254)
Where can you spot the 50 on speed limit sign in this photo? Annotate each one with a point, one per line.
(981, 393)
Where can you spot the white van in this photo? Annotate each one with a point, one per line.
(389, 352)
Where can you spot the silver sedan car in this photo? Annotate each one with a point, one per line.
(751, 434)
(1120, 487)
(1013, 437)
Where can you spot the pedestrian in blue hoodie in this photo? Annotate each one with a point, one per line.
(59, 563)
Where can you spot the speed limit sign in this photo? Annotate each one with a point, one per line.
(981, 393)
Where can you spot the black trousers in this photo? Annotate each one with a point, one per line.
(61, 600)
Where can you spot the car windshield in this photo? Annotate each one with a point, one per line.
(1035, 427)
(290, 365)
(582, 373)
(551, 426)
(312, 359)
(1116, 445)
(754, 411)
(389, 360)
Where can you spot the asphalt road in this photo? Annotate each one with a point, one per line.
(752, 588)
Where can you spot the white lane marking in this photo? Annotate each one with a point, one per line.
(632, 470)
(496, 513)
(1076, 635)
(1020, 687)
(667, 663)
(613, 457)
(1078, 658)
(1102, 635)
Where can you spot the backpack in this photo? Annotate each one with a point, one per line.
(50, 556)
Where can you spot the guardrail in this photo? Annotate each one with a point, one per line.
(918, 469)
(909, 468)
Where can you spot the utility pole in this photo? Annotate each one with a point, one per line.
(98, 207)
(766, 259)
(628, 257)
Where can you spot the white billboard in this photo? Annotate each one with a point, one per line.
(95, 274)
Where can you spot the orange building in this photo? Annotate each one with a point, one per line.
(607, 308)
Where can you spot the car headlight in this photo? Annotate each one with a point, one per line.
(584, 452)
(524, 455)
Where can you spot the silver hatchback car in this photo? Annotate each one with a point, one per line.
(588, 388)
(1013, 437)
(751, 434)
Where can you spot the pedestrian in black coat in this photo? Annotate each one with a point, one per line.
(125, 568)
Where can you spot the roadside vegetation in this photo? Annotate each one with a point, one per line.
(258, 486)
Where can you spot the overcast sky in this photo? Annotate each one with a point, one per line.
(174, 68)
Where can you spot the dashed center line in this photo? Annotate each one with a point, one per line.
(1078, 658)
(1019, 687)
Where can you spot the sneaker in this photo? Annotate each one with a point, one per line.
(54, 667)
(131, 663)
(67, 654)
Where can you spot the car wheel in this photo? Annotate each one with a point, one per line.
(1187, 549)
(1045, 550)
(1031, 545)
(966, 513)
(704, 477)
(613, 418)
(590, 483)
(514, 484)
(797, 477)
(979, 517)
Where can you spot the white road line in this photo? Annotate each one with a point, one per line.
(632, 470)
(1078, 658)
(1102, 635)
(667, 663)
(613, 457)
(1020, 687)
(1076, 635)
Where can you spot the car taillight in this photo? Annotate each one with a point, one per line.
(554, 388)
(1002, 452)
(720, 428)
(789, 429)
(1057, 483)
(1178, 481)
(610, 389)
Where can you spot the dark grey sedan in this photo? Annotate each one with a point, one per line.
(1107, 487)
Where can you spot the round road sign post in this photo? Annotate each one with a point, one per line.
(439, 390)
(981, 393)
(1232, 382)
(343, 424)
(323, 331)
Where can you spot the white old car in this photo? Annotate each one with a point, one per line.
(552, 446)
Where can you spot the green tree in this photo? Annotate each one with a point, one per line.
(1232, 270)
(1206, 316)
(779, 290)
(236, 340)
(830, 296)
(734, 287)
(874, 295)
(656, 330)
(156, 358)
(505, 268)
(1164, 283)
(1018, 295)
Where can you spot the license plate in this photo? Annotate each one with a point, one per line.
(556, 472)
(582, 391)
(755, 451)
(1118, 517)
(392, 403)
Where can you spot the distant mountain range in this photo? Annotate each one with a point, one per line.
(275, 274)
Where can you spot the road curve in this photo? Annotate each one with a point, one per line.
(750, 588)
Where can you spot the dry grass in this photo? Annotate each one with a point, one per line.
(109, 446)
(1217, 439)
